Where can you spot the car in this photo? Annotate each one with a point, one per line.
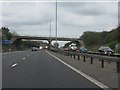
(65, 49)
(35, 48)
(73, 48)
(105, 50)
(83, 50)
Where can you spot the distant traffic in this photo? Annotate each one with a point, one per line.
(103, 50)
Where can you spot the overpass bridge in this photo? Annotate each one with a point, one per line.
(16, 39)
(45, 38)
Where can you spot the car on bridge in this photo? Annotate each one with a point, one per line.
(105, 50)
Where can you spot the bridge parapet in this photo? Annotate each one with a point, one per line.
(16, 39)
(45, 38)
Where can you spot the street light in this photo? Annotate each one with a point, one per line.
(56, 23)
(50, 29)
(50, 36)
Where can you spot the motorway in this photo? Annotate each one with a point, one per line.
(38, 69)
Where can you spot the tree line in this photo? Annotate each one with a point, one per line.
(6, 34)
(93, 40)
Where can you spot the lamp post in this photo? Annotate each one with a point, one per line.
(56, 23)
(50, 30)
(50, 36)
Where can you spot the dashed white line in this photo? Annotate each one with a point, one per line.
(12, 52)
(23, 58)
(15, 64)
(101, 85)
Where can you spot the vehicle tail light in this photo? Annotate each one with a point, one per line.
(105, 52)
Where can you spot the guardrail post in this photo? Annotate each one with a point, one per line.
(74, 56)
(78, 57)
(70, 55)
(91, 60)
(102, 63)
(84, 58)
(67, 54)
(118, 67)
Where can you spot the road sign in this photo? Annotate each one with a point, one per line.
(6, 41)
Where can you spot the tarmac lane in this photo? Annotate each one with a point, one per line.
(38, 69)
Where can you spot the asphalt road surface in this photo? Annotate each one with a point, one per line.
(38, 69)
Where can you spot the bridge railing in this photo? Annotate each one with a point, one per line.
(92, 57)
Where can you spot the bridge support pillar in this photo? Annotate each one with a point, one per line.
(49, 44)
(17, 44)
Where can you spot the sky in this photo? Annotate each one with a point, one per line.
(73, 17)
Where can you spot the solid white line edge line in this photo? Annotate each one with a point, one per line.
(101, 85)
(23, 58)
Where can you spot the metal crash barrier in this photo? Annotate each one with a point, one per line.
(102, 58)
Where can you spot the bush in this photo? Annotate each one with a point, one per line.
(112, 44)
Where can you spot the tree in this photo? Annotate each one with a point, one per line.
(6, 34)
(96, 39)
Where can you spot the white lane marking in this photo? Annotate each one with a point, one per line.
(23, 58)
(101, 85)
(12, 52)
(28, 55)
(14, 65)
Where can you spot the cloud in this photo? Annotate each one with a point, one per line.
(91, 8)
(0, 14)
(70, 18)
(61, 0)
(26, 13)
(105, 20)
(73, 17)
